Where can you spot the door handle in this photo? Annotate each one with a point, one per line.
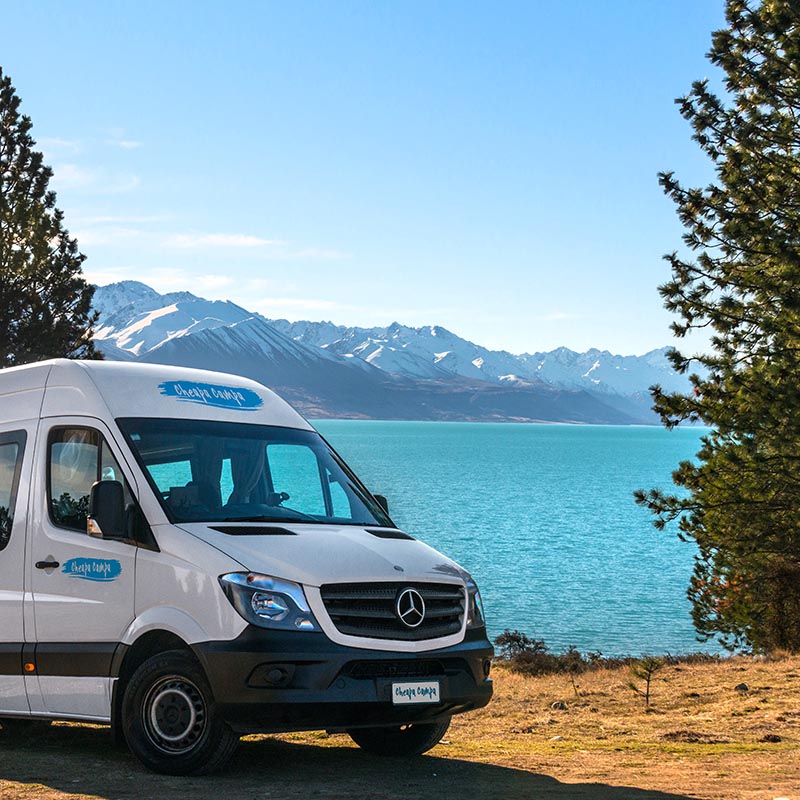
(47, 565)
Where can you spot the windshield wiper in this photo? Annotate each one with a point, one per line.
(271, 518)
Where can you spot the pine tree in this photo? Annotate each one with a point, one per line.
(45, 303)
(738, 278)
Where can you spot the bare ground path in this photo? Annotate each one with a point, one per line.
(701, 739)
(74, 764)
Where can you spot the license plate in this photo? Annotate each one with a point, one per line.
(416, 692)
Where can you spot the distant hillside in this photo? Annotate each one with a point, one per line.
(395, 372)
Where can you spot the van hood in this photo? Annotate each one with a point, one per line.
(314, 555)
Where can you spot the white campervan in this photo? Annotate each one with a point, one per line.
(184, 557)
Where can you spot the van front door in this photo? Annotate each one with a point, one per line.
(83, 587)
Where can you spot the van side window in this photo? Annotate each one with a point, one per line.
(78, 457)
(12, 446)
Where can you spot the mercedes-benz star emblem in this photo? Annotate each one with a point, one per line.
(410, 608)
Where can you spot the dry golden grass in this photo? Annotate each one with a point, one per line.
(701, 738)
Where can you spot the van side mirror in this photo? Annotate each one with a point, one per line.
(382, 502)
(106, 518)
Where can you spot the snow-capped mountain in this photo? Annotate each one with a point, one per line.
(435, 352)
(136, 319)
(397, 372)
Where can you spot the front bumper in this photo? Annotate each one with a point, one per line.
(270, 681)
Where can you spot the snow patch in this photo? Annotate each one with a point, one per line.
(591, 369)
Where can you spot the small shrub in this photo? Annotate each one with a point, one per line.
(514, 643)
(692, 658)
(530, 656)
(522, 653)
(644, 669)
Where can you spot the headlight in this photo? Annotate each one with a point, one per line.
(269, 602)
(475, 616)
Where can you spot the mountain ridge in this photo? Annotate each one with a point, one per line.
(390, 372)
(594, 369)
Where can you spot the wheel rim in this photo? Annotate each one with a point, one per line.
(174, 715)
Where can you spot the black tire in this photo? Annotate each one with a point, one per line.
(169, 717)
(400, 741)
(21, 730)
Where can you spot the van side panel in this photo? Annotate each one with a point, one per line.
(174, 594)
(16, 437)
(19, 406)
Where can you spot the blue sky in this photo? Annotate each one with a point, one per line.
(489, 167)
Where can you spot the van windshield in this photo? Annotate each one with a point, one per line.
(206, 471)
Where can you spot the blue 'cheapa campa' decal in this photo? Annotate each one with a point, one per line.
(100, 570)
(209, 394)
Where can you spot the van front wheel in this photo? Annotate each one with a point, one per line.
(403, 740)
(169, 717)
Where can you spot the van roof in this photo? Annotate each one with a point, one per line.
(101, 388)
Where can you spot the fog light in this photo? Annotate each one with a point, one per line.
(487, 667)
(269, 676)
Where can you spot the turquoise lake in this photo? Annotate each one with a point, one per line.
(543, 517)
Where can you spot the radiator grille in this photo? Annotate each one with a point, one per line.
(370, 609)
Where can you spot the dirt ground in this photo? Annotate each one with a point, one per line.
(701, 738)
